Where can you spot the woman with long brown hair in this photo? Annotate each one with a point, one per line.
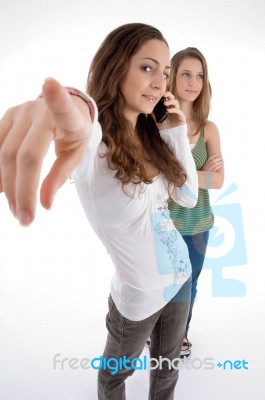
(125, 167)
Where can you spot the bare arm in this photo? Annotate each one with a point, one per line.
(211, 176)
(26, 132)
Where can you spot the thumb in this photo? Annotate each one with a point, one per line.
(66, 114)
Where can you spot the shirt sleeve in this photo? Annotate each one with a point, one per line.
(177, 140)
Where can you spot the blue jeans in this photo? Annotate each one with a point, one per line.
(127, 338)
(197, 245)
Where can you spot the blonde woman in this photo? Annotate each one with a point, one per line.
(189, 82)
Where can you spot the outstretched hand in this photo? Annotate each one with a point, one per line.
(26, 132)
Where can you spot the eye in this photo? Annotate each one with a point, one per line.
(200, 77)
(166, 75)
(185, 74)
(146, 68)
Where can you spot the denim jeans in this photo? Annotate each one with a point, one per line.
(197, 245)
(127, 338)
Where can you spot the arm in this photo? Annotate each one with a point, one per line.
(177, 140)
(211, 176)
(26, 132)
(174, 132)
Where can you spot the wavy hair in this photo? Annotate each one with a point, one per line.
(201, 106)
(106, 72)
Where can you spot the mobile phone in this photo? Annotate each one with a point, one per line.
(160, 111)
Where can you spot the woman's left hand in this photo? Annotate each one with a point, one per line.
(176, 116)
(213, 163)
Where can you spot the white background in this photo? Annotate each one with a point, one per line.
(54, 275)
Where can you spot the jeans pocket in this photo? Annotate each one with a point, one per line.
(116, 321)
(110, 304)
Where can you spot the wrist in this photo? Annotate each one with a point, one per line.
(76, 92)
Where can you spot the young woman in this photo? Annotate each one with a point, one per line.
(124, 168)
(190, 84)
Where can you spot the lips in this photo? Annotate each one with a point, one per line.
(191, 91)
(151, 99)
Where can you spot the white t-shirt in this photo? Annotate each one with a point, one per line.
(149, 255)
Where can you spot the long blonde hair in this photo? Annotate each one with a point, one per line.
(201, 105)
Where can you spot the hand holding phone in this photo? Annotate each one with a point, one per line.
(160, 111)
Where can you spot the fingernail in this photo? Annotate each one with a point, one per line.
(24, 218)
(49, 79)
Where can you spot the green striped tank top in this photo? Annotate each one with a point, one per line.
(190, 221)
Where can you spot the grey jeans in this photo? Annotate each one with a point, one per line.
(126, 339)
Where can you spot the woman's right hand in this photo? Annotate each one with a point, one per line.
(26, 132)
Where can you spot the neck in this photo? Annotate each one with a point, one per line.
(186, 107)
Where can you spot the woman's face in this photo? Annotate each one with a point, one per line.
(145, 80)
(189, 79)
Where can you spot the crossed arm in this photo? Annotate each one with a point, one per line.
(211, 176)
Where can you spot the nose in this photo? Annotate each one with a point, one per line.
(159, 81)
(191, 81)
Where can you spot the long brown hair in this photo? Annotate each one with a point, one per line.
(201, 106)
(107, 70)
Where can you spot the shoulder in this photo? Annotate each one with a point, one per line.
(210, 131)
